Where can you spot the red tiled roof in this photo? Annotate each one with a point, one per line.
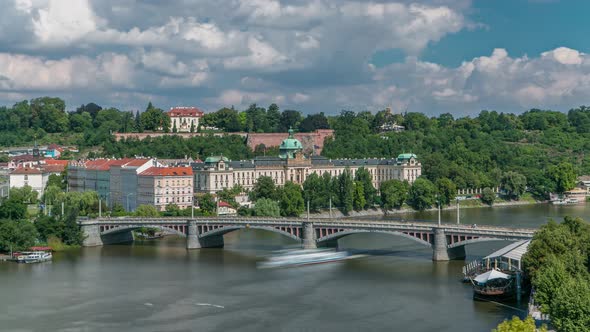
(53, 168)
(225, 204)
(185, 111)
(56, 162)
(167, 171)
(137, 162)
(24, 157)
(26, 170)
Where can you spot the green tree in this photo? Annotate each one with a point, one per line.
(518, 325)
(514, 184)
(289, 119)
(291, 200)
(345, 191)
(358, 200)
(267, 208)
(393, 194)
(366, 179)
(207, 203)
(564, 177)
(422, 194)
(314, 193)
(264, 188)
(17, 235)
(488, 196)
(146, 211)
(570, 309)
(446, 190)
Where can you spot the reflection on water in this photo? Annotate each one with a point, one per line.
(159, 286)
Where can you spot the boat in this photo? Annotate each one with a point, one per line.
(493, 283)
(566, 201)
(34, 256)
(292, 258)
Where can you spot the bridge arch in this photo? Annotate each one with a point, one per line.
(178, 230)
(294, 234)
(341, 234)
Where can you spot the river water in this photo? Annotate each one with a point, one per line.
(159, 286)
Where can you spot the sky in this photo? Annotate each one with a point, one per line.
(430, 56)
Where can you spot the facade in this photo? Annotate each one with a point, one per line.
(217, 173)
(225, 209)
(185, 118)
(160, 186)
(35, 177)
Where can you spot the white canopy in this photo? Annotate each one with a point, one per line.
(490, 275)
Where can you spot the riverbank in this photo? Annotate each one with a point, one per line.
(465, 204)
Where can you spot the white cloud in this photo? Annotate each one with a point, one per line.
(564, 55)
(62, 21)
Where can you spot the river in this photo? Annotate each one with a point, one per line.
(159, 286)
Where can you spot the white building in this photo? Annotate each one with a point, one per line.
(218, 172)
(184, 119)
(35, 177)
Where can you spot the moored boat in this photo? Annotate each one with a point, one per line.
(37, 256)
(493, 283)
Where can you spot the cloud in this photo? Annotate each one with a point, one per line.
(311, 55)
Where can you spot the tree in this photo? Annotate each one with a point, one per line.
(289, 119)
(267, 208)
(363, 176)
(138, 124)
(291, 200)
(207, 203)
(514, 184)
(518, 325)
(488, 196)
(446, 190)
(570, 309)
(314, 122)
(17, 235)
(358, 200)
(264, 188)
(13, 209)
(345, 191)
(422, 194)
(393, 194)
(313, 192)
(146, 211)
(564, 177)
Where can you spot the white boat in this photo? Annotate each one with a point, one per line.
(293, 258)
(567, 201)
(34, 257)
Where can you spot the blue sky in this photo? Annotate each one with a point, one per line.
(433, 56)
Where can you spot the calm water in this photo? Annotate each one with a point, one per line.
(159, 286)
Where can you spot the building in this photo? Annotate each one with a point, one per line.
(218, 172)
(113, 179)
(160, 186)
(225, 209)
(35, 177)
(184, 119)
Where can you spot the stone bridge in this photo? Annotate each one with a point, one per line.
(447, 240)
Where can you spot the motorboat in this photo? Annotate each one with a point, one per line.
(292, 258)
(34, 256)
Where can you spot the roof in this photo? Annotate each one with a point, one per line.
(26, 170)
(215, 159)
(490, 275)
(56, 162)
(53, 168)
(291, 143)
(167, 171)
(137, 162)
(185, 111)
(406, 156)
(514, 251)
(225, 204)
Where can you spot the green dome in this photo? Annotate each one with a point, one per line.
(215, 159)
(290, 146)
(406, 156)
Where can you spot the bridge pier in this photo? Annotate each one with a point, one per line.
(440, 250)
(309, 240)
(91, 236)
(193, 241)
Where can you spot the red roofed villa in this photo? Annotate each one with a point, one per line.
(185, 118)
